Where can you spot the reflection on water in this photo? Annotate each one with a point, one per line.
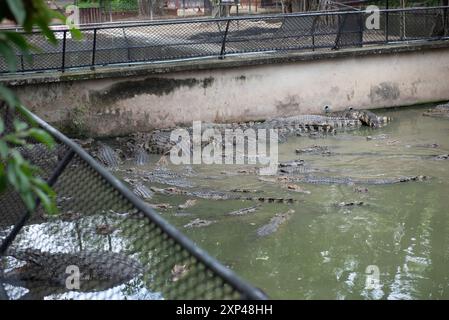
(323, 250)
(36, 265)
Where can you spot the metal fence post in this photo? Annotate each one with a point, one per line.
(64, 44)
(128, 50)
(445, 22)
(361, 27)
(223, 45)
(94, 49)
(402, 16)
(386, 21)
(22, 65)
(313, 33)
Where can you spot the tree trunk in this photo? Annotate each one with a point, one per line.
(144, 7)
(106, 10)
(149, 8)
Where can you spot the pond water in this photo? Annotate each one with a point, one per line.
(329, 251)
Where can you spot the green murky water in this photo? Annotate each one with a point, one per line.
(324, 250)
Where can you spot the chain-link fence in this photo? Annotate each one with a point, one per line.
(127, 44)
(104, 243)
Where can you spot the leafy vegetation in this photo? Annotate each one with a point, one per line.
(115, 5)
(15, 170)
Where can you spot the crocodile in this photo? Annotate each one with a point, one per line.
(219, 195)
(243, 211)
(98, 269)
(199, 223)
(353, 181)
(141, 157)
(307, 123)
(347, 119)
(245, 190)
(295, 167)
(378, 137)
(297, 170)
(275, 223)
(442, 157)
(426, 145)
(350, 204)
(160, 206)
(165, 176)
(142, 191)
(159, 175)
(440, 111)
(189, 203)
(370, 119)
(107, 156)
(386, 155)
(159, 141)
(296, 188)
(365, 117)
(291, 164)
(314, 149)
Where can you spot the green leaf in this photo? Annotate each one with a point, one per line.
(3, 180)
(4, 150)
(29, 200)
(14, 139)
(17, 157)
(9, 55)
(9, 96)
(56, 15)
(42, 136)
(18, 10)
(11, 175)
(48, 33)
(47, 200)
(15, 171)
(22, 179)
(19, 125)
(76, 34)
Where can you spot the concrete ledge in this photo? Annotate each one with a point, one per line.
(146, 69)
(113, 101)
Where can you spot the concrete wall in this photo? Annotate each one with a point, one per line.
(116, 102)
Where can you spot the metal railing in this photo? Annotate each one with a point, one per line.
(162, 41)
(122, 247)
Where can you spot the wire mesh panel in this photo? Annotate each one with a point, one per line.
(111, 46)
(415, 25)
(422, 24)
(126, 43)
(170, 41)
(350, 30)
(104, 243)
(78, 53)
(270, 34)
(46, 56)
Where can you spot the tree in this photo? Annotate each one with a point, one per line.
(15, 170)
(149, 8)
